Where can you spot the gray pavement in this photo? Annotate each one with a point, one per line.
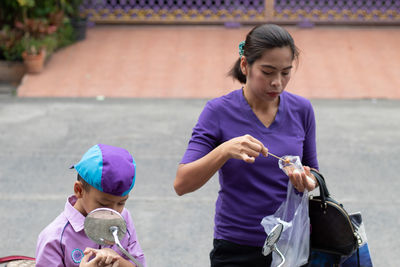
(358, 146)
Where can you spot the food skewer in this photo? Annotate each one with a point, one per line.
(287, 161)
(275, 156)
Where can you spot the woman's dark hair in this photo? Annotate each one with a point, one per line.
(260, 38)
(86, 186)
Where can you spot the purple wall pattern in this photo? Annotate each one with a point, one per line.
(242, 11)
(338, 10)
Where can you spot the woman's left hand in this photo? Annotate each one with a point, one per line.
(302, 181)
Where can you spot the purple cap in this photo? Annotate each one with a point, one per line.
(110, 169)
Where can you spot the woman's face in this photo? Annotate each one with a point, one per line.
(268, 76)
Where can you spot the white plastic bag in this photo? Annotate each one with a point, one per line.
(294, 242)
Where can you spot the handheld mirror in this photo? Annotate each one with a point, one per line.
(270, 242)
(107, 227)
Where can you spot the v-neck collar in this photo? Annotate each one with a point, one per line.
(253, 117)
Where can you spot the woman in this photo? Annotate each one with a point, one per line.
(233, 136)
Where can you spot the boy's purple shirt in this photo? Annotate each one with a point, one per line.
(250, 192)
(63, 241)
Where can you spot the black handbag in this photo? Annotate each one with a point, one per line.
(332, 231)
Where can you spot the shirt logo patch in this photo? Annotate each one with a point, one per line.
(77, 255)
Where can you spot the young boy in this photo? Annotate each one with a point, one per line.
(106, 175)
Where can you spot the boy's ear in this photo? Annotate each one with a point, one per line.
(78, 189)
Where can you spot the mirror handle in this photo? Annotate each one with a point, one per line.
(114, 231)
(275, 248)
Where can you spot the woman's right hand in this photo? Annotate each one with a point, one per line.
(246, 148)
(191, 176)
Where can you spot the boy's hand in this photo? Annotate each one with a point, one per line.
(105, 257)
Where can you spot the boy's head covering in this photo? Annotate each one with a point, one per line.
(109, 169)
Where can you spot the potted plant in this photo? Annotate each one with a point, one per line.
(12, 68)
(34, 55)
(31, 30)
(39, 39)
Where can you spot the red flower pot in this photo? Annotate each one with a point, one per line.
(34, 63)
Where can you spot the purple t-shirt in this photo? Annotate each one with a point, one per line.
(63, 241)
(249, 192)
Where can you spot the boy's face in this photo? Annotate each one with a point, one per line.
(92, 199)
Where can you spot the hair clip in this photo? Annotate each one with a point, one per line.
(241, 51)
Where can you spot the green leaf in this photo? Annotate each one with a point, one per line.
(26, 3)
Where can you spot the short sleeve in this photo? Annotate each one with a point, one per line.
(48, 252)
(310, 146)
(205, 136)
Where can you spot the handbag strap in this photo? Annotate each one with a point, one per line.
(323, 190)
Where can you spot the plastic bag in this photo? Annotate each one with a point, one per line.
(293, 164)
(294, 242)
(364, 257)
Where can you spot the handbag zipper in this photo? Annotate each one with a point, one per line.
(341, 210)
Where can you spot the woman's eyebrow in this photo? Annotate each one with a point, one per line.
(272, 67)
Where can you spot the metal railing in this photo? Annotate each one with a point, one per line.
(243, 11)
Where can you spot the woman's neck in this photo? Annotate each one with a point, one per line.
(260, 105)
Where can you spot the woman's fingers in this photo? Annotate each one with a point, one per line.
(264, 151)
(257, 145)
(299, 180)
(246, 148)
(295, 177)
(302, 180)
(310, 181)
(248, 159)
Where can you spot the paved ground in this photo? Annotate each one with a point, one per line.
(165, 69)
(39, 138)
(192, 62)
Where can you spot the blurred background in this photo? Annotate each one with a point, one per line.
(175, 48)
(137, 73)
